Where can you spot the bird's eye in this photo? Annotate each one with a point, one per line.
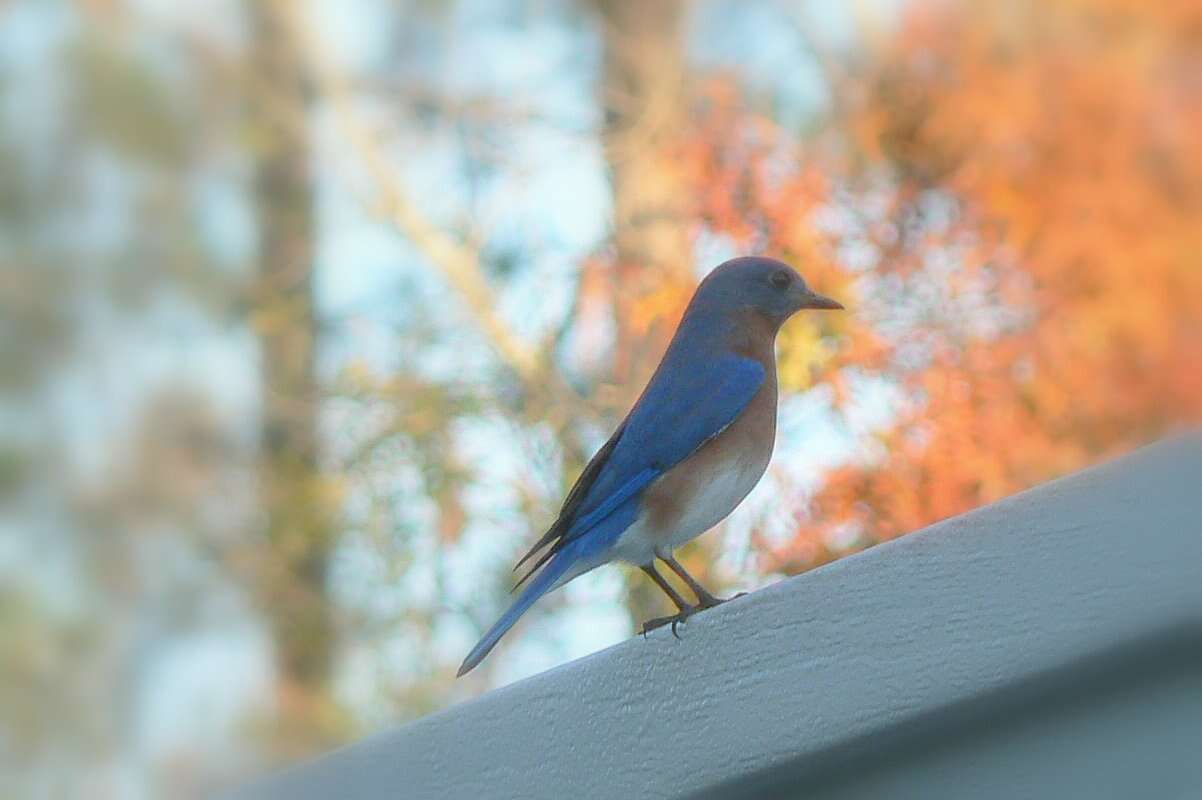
(781, 279)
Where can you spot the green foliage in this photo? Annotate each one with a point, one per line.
(125, 105)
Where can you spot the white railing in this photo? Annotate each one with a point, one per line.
(1049, 645)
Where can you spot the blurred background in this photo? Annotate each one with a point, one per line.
(310, 312)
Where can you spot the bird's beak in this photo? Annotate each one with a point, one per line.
(814, 300)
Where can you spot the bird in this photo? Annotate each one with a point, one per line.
(694, 444)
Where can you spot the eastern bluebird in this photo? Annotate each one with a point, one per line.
(695, 443)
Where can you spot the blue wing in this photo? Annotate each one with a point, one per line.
(681, 410)
(691, 398)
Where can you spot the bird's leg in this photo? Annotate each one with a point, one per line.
(673, 595)
(704, 598)
(682, 606)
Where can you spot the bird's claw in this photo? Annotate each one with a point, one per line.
(673, 620)
(708, 601)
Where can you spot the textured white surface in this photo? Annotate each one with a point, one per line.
(873, 674)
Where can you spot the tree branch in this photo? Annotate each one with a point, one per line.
(458, 263)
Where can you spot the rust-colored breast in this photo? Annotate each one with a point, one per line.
(705, 487)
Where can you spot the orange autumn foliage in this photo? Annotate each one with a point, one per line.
(1068, 135)
(1038, 292)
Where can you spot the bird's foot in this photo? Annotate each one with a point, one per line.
(706, 600)
(673, 620)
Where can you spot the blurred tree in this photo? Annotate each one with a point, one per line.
(1007, 195)
(644, 96)
(1046, 194)
(292, 576)
(644, 103)
(108, 476)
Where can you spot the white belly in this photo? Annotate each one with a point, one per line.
(708, 498)
(714, 500)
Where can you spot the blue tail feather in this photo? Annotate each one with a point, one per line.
(542, 583)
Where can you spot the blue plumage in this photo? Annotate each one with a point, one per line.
(543, 582)
(718, 361)
(692, 397)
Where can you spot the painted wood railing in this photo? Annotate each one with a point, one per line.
(1049, 645)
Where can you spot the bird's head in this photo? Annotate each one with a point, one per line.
(765, 285)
